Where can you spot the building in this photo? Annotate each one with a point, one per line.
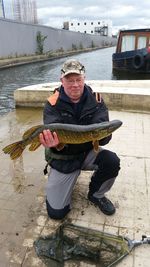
(19, 10)
(2, 11)
(25, 11)
(101, 27)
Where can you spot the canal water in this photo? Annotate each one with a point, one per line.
(98, 66)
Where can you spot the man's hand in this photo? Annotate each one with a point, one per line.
(49, 139)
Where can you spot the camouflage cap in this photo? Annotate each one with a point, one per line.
(72, 66)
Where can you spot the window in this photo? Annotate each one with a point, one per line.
(84, 23)
(78, 23)
(71, 24)
(99, 23)
(84, 31)
(141, 42)
(128, 43)
(91, 23)
(91, 31)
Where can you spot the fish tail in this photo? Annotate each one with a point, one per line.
(15, 149)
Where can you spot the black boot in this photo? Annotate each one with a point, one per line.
(104, 204)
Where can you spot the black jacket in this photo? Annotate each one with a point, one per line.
(86, 111)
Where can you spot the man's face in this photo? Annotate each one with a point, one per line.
(73, 86)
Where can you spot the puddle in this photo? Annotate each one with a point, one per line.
(78, 245)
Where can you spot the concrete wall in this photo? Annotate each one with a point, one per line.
(20, 38)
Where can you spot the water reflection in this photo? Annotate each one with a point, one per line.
(125, 75)
(18, 175)
(22, 172)
(28, 117)
(16, 166)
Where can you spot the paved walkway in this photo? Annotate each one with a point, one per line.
(23, 215)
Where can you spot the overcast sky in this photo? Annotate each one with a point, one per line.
(123, 13)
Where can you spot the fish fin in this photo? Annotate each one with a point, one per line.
(31, 131)
(15, 149)
(96, 146)
(60, 146)
(34, 146)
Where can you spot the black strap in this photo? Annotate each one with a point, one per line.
(52, 155)
(45, 169)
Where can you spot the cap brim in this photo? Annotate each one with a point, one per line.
(71, 72)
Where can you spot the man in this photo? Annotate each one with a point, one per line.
(75, 103)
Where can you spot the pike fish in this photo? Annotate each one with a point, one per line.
(67, 134)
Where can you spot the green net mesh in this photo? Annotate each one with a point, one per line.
(73, 245)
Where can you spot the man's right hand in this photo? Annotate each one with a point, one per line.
(49, 139)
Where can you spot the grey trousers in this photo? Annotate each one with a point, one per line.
(60, 186)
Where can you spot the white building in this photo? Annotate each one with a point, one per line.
(101, 27)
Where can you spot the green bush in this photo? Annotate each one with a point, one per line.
(74, 47)
(92, 44)
(80, 46)
(40, 42)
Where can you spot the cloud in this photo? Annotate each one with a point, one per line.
(130, 14)
(53, 11)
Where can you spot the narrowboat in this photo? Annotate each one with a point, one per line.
(133, 51)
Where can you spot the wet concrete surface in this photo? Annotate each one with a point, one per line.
(20, 181)
(23, 216)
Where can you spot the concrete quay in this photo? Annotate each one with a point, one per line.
(23, 216)
(133, 95)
